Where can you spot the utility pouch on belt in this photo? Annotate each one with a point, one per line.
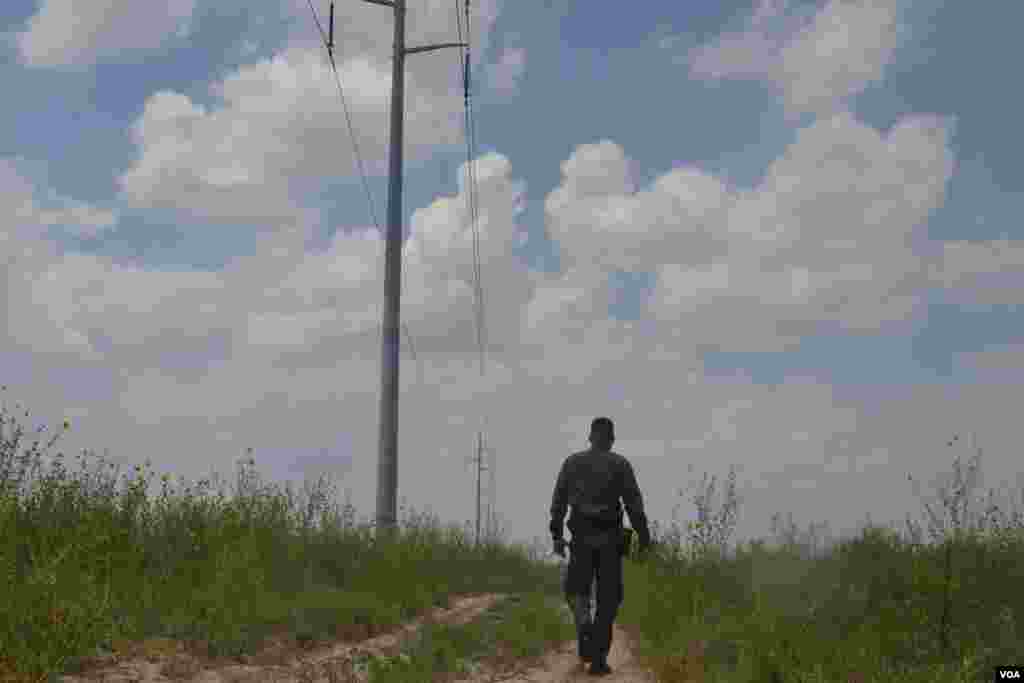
(625, 541)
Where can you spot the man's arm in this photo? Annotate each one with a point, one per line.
(560, 503)
(634, 502)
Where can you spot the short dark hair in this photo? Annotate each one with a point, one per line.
(602, 429)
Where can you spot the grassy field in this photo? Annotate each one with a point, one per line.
(94, 560)
(882, 607)
(93, 564)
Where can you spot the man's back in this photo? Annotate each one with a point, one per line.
(593, 482)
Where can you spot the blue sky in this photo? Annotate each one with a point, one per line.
(620, 74)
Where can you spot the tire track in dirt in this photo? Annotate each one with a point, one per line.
(280, 659)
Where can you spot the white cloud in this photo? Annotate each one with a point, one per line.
(283, 298)
(281, 125)
(505, 74)
(16, 202)
(28, 218)
(85, 220)
(996, 364)
(440, 261)
(828, 235)
(280, 350)
(997, 357)
(278, 127)
(362, 28)
(980, 273)
(64, 33)
(817, 62)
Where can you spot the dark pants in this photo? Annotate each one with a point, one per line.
(603, 561)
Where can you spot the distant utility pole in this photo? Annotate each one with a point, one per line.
(387, 462)
(492, 495)
(478, 460)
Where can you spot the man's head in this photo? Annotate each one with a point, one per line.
(602, 433)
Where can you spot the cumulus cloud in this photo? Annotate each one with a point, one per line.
(33, 290)
(278, 124)
(597, 217)
(16, 199)
(63, 33)
(440, 260)
(280, 349)
(28, 218)
(816, 62)
(362, 28)
(980, 273)
(828, 235)
(83, 219)
(997, 364)
(286, 300)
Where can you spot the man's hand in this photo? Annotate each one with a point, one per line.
(560, 547)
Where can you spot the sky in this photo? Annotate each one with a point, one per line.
(775, 235)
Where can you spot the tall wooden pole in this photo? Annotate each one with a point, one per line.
(479, 467)
(387, 459)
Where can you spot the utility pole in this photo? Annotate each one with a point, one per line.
(480, 467)
(491, 495)
(387, 459)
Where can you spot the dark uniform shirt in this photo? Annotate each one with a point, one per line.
(593, 482)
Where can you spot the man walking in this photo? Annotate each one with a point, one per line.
(593, 482)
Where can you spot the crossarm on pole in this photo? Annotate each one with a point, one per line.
(427, 48)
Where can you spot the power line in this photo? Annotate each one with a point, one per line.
(471, 182)
(388, 454)
(328, 41)
(471, 189)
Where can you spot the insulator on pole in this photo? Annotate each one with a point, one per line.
(330, 29)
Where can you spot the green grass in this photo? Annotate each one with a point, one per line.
(92, 563)
(879, 607)
(518, 628)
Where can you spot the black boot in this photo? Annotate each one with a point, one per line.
(599, 667)
(585, 647)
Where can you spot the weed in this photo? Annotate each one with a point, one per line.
(875, 607)
(98, 561)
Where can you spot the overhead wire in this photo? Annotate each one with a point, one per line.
(470, 180)
(471, 187)
(472, 195)
(328, 42)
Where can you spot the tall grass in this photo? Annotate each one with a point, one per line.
(92, 560)
(878, 607)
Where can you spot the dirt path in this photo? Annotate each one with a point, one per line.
(282, 660)
(563, 664)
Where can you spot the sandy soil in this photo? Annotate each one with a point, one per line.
(286, 661)
(563, 664)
